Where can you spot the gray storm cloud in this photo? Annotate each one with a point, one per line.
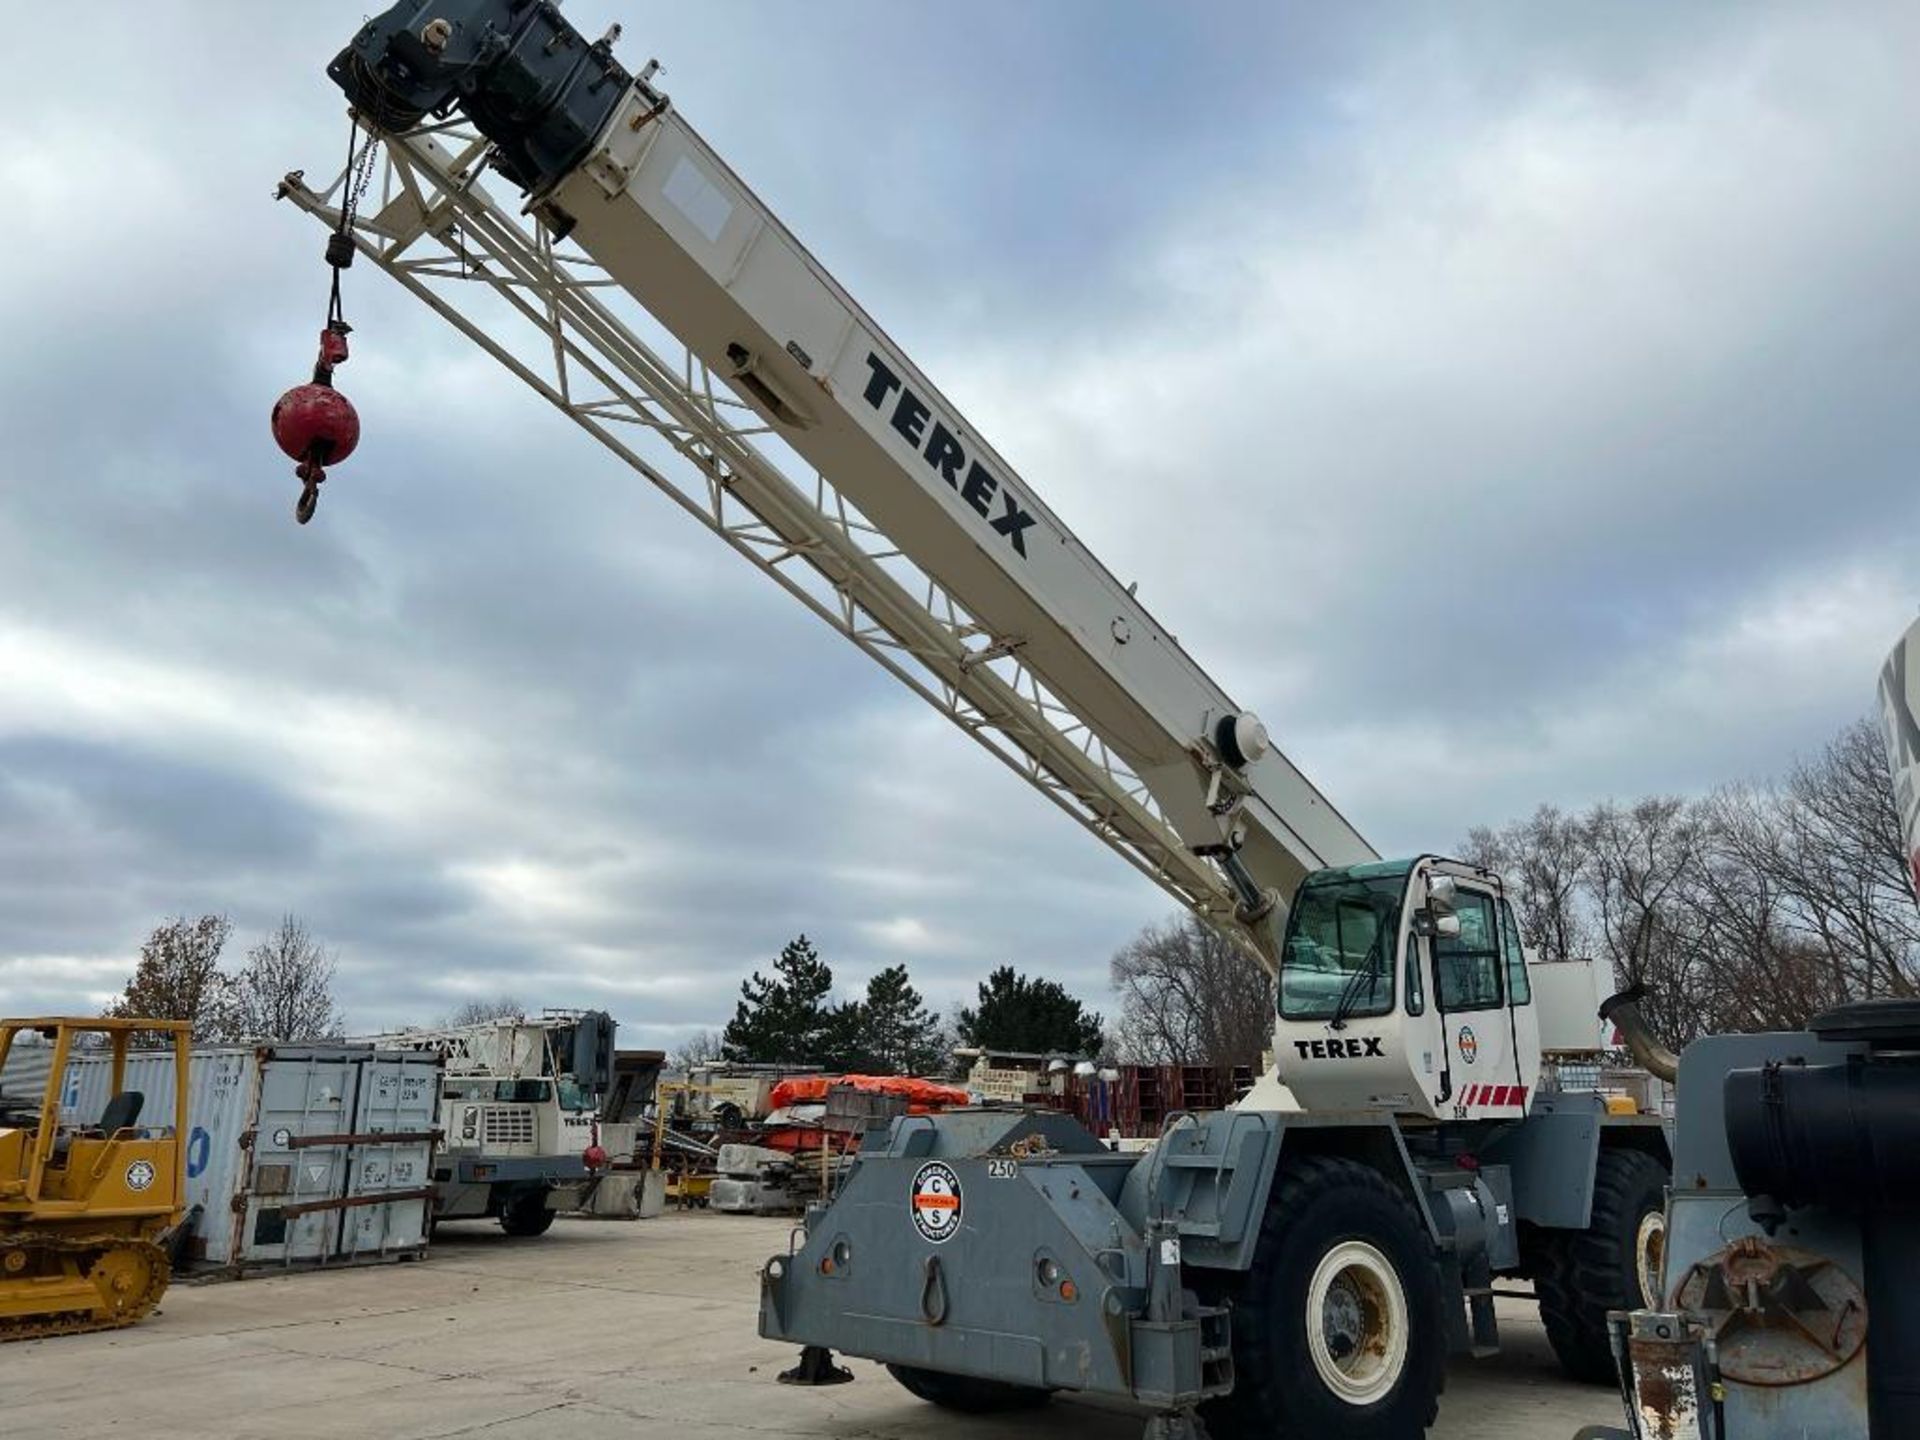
(1511, 406)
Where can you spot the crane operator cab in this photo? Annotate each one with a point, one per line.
(1404, 988)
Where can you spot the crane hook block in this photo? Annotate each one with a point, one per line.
(316, 425)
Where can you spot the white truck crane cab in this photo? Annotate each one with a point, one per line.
(1404, 988)
(1301, 1265)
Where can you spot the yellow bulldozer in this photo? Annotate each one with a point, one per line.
(85, 1209)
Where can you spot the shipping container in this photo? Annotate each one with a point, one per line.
(296, 1154)
(23, 1081)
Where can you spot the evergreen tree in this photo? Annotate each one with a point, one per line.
(894, 1032)
(1033, 1015)
(785, 1019)
(843, 1045)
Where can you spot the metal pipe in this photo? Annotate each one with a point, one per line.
(1624, 1011)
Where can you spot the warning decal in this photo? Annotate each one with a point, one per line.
(139, 1175)
(936, 1202)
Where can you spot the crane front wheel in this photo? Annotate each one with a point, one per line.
(1337, 1325)
(527, 1215)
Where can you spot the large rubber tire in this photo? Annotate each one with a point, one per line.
(527, 1216)
(1581, 1275)
(1339, 1229)
(966, 1393)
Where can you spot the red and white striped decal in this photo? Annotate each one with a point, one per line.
(1495, 1097)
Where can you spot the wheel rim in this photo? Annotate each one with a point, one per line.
(1650, 1256)
(1357, 1323)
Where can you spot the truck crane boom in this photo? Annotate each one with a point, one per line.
(911, 535)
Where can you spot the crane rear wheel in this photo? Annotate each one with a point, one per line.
(1614, 1264)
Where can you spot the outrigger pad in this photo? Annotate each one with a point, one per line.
(816, 1367)
(1175, 1425)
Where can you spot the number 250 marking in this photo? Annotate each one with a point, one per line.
(1002, 1169)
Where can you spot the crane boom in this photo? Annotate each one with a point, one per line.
(913, 537)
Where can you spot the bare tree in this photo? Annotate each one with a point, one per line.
(703, 1047)
(1847, 863)
(1643, 858)
(178, 977)
(1739, 954)
(286, 991)
(1754, 908)
(478, 1012)
(1189, 994)
(1546, 862)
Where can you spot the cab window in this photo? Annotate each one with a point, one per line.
(1339, 953)
(1467, 966)
(1519, 986)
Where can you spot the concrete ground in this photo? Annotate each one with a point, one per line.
(595, 1329)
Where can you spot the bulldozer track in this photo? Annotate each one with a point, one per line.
(98, 1259)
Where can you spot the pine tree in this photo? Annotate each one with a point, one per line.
(787, 1019)
(897, 1034)
(1029, 1015)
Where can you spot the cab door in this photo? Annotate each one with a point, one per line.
(1480, 1053)
(1422, 1025)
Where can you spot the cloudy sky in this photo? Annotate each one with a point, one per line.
(1510, 402)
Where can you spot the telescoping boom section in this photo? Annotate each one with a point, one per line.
(909, 531)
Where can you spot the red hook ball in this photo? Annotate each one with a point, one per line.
(315, 422)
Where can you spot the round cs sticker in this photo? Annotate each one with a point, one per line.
(139, 1175)
(1469, 1044)
(936, 1202)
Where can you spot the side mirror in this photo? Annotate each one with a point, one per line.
(1447, 926)
(1428, 923)
(1441, 891)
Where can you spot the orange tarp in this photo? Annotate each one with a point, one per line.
(922, 1095)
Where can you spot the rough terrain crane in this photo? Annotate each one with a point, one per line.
(1300, 1265)
(517, 1104)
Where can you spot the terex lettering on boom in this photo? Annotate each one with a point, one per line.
(945, 454)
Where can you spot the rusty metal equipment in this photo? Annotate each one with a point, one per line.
(85, 1211)
(1793, 1238)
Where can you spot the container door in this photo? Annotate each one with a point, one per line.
(220, 1104)
(399, 1095)
(297, 1178)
